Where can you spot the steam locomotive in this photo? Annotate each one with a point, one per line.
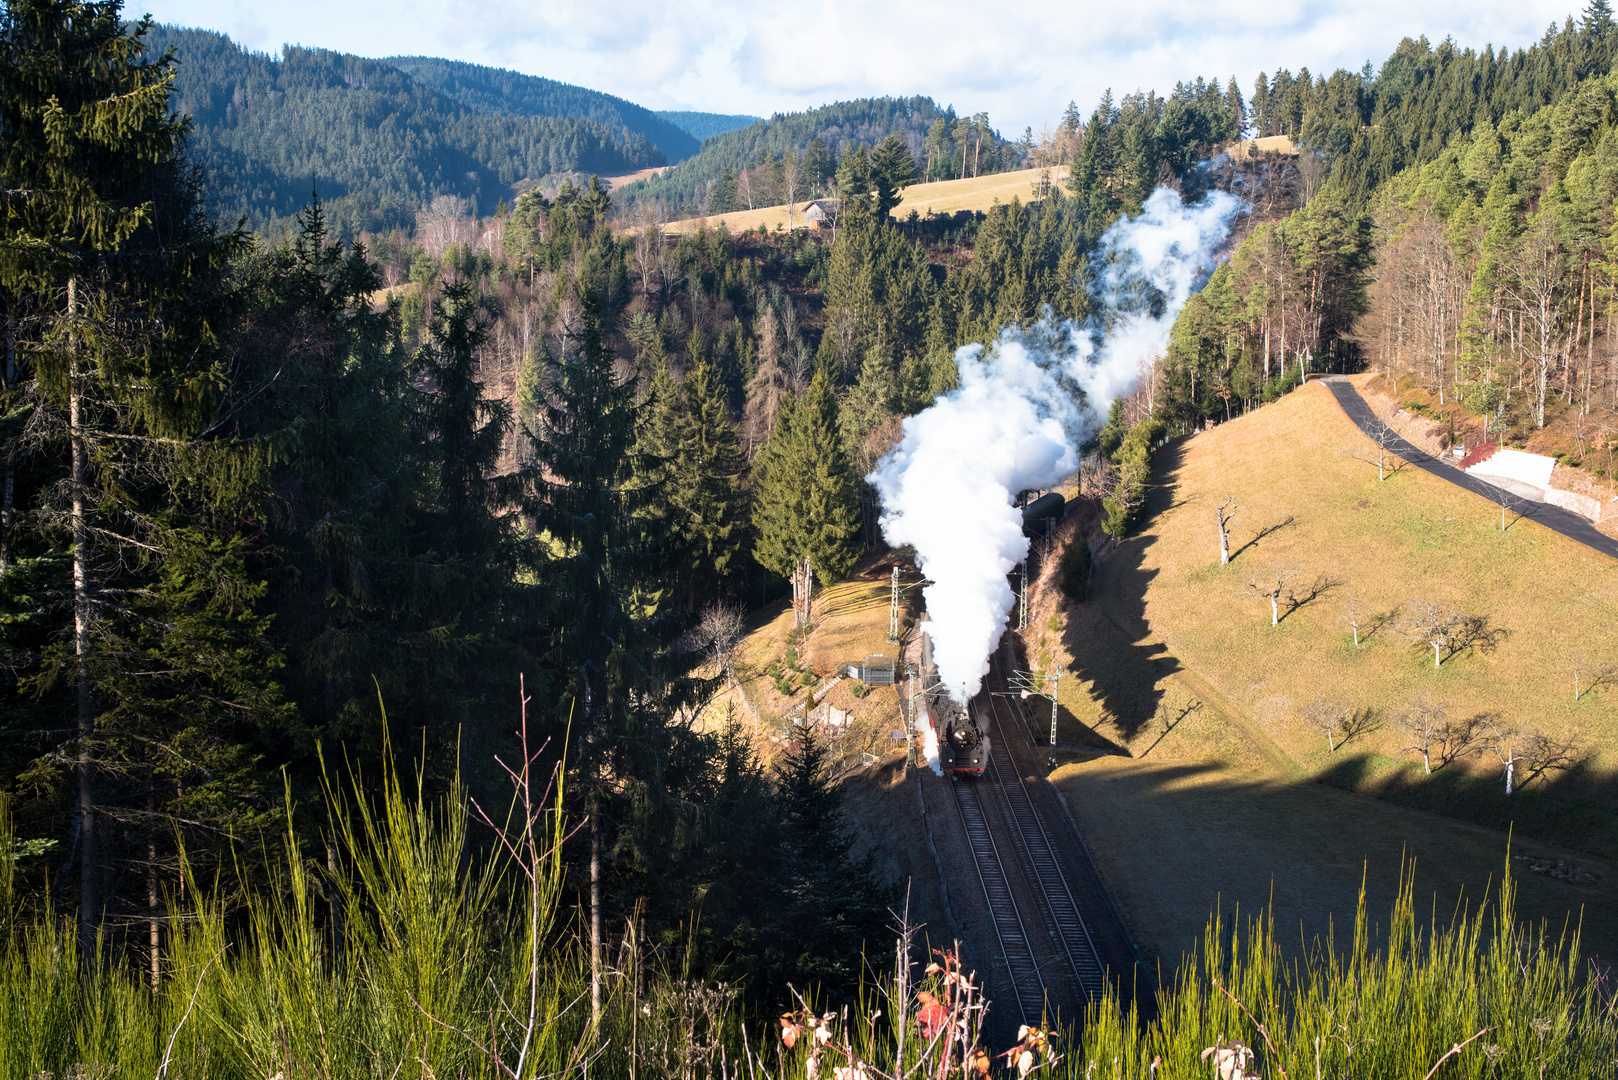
(963, 738)
(964, 746)
(963, 743)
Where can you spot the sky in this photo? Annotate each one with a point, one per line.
(1020, 62)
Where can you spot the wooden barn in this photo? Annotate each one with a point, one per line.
(819, 213)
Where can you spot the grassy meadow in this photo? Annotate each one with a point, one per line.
(776, 666)
(977, 193)
(1185, 710)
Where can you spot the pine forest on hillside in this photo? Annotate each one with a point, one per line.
(448, 472)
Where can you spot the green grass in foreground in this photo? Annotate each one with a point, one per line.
(450, 965)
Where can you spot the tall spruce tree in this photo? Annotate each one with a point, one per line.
(115, 294)
(337, 406)
(832, 909)
(461, 644)
(615, 675)
(706, 493)
(807, 510)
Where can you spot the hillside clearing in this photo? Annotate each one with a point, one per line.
(1197, 702)
(613, 183)
(978, 193)
(775, 667)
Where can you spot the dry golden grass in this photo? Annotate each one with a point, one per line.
(939, 197)
(850, 623)
(977, 193)
(613, 183)
(382, 296)
(1270, 144)
(1170, 613)
(1237, 799)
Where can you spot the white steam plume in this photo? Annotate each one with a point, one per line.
(1022, 410)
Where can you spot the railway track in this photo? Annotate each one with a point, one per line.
(1039, 854)
(1028, 854)
(1010, 931)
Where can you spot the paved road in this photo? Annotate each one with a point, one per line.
(1554, 518)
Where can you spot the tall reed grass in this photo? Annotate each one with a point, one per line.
(421, 955)
(1392, 1007)
(1477, 997)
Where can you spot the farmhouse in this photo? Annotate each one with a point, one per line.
(820, 212)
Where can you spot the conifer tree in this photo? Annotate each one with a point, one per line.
(709, 494)
(892, 168)
(615, 678)
(807, 513)
(1597, 22)
(457, 639)
(872, 399)
(817, 164)
(833, 909)
(113, 285)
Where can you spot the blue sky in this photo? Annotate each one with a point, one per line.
(1020, 61)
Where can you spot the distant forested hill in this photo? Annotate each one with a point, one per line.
(378, 143)
(700, 125)
(496, 90)
(941, 142)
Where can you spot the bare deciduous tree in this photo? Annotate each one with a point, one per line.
(1329, 718)
(1223, 515)
(1449, 632)
(1273, 593)
(1539, 753)
(1587, 674)
(1426, 723)
(791, 180)
(1312, 171)
(1504, 741)
(648, 253)
(1537, 277)
(1508, 501)
(1355, 614)
(1380, 453)
(718, 635)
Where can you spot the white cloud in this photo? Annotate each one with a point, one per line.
(1021, 62)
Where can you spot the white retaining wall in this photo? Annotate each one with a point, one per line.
(1584, 505)
(1517, 465)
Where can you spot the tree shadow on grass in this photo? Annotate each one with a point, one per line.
(1555, 808)
(1321, 586)
(1106, 634)
(1286, 523)
(1303, 854)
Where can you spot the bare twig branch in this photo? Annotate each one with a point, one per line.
(1452, 1051)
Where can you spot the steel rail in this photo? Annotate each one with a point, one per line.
(1084, 961)
(1015, 948)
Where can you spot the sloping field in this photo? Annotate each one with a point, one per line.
(613, 183)
(1270, 144)
(776, 667)
(1218, 785)
(939, 197)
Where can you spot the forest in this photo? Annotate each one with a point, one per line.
(316, 543)
(414, 129)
